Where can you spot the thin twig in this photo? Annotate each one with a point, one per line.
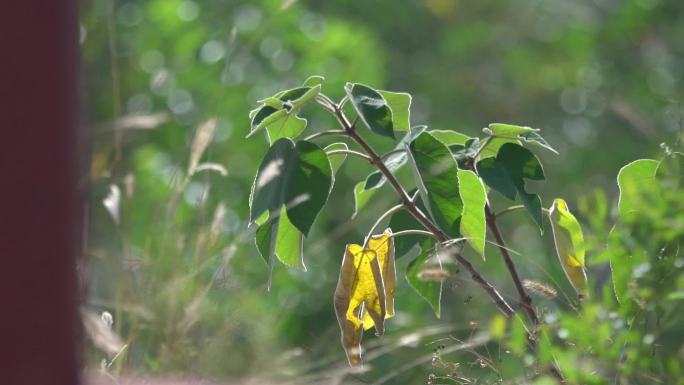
(342, 102)
(350, 152)
(479, 151)
(377, 223)
(524, 299)
(412, 232)
(325, 103)
(516, 208)
(324, 133)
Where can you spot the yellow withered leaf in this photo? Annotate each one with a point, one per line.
(365, 291)
(569, 240)
(383, 245)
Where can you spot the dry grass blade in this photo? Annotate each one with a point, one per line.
(100, 333)
(200, 142)
(219, 168)
(540, 288)
(112, 202)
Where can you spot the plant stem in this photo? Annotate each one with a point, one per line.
(516, 208)
(525, 300)
(412, 232)
(324, 133)
(377, 223)
(349, 152)
(411, 207)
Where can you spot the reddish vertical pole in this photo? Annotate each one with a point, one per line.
(38, 192)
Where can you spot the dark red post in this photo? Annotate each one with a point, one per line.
(39, 221)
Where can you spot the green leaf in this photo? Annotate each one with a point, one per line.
(262, 239)
(569, 241)
(372, 109)
(298, 176)
(508, 133)
(632, 180)
(449, 137)
(313, 81)
(279, 113)
(505, 174)
(290, 127)
(337, 160)
(509, 130)
(394, 161)
(272, 102)
(474, 198)
(361, 197)
(306, 97)
(400, 104)
(436, 175)
(264, 116)
(294, 95)
(538, 140)
(262, 218)
(282, 240)
(429, 289)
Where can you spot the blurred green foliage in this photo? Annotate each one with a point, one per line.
(178, 269)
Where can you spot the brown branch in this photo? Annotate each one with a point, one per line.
(524, 299)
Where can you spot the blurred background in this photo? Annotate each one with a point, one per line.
(169, 254)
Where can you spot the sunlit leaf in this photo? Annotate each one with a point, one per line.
(474, 198)
(361, 197)
(291, 126)
(265, 116)
(371, 108)
(436, 175)
(506, 173)
(569, 241)
(280, 238)
(494, 144)
(400, 104)
(365, 286)
(509, 130)
(429, 289)
(278, 114)
(536, 139)
(449, 137)
(272, 102)
(312, 81)
(296, 103)
(297, 176)
(632, 180)
(621, 263)
(501, 134)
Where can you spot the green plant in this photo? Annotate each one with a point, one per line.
(454, 176)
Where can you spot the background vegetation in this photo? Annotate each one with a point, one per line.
(169, 252)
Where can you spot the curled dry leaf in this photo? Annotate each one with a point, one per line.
(364, 297)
